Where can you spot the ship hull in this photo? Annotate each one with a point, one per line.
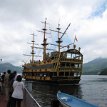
(56, 82)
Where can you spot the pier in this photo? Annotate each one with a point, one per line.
(28, 100)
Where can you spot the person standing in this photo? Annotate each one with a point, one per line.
(17, 95)
(3, 76)
(6, 84)
(0, 83)
(12, 78)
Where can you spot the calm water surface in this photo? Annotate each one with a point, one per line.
(92, 88)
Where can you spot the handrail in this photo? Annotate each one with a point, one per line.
(30, 95)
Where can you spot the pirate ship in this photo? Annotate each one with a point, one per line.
(56, 67)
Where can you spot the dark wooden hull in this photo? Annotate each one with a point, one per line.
(56, 82)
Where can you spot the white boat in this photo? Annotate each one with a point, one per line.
(67, 100)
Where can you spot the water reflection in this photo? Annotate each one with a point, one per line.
(92, 88)
(44, 94)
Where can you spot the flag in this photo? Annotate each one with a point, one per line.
(76, 38)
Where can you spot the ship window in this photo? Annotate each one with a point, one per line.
(61, 74)
(76, 65)
(47, 73)
(72, 65)
(54, 74)
(67, 64)
(40, 74)
(71, 74)
(44, 74)
(79, 65)
(28, 74)
(32, 74)
(68, 55)
(62, 64)
(66, 73)
(37, 74)
(73, 55)
(75, 74)
(51, 74)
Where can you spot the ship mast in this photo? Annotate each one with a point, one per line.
(59, 41)
(32, 53)
(32, 48)
(44, 41)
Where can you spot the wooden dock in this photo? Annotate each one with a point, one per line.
(3, 101)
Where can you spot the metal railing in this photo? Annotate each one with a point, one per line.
(29, 100)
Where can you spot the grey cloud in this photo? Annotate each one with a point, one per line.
(19, 18)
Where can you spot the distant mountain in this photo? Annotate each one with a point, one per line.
(95, 66)
(103, 72)
(5, 66)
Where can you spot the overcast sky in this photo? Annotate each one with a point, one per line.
(20, 18)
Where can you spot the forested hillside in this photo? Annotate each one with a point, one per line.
(5, 66)
(95, 66)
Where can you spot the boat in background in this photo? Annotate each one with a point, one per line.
(70, 101)
(58, 66)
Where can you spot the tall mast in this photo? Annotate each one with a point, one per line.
(32, 53)
(44, 41)
(59, 40)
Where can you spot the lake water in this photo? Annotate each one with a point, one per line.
(92, 88)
